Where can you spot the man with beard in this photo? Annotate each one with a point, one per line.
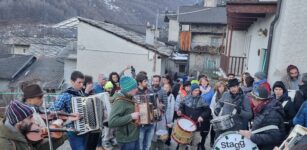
(236, 103)
(291, 80)
(14, 126)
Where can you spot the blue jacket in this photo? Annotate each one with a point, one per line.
(98, 88)
(208, 97)
(301, 116)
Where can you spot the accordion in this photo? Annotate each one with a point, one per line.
(147, 105)
(296, 135)
(91, 110)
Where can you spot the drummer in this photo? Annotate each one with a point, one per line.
(267, 112)
(234, 102)
(194, 108)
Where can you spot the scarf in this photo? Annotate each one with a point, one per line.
(258, 108)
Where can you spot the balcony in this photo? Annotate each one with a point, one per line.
(233, 64)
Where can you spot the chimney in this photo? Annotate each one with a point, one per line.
(150, 34)
(210, 3)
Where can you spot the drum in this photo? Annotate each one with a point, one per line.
(222, 123)
(232, 140)
(162, 135)
(183, 131)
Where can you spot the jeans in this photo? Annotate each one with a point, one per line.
(129, 146)
(146, 135)
(77, 142)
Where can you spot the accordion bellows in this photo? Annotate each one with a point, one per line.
(91, 110)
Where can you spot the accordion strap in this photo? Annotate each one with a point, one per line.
(122, 98)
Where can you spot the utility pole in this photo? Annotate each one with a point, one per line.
(157, 22)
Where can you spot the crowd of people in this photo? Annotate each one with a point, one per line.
(251, 101)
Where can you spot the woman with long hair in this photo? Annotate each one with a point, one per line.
(114, 78)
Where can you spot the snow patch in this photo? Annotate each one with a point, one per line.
(110, 4)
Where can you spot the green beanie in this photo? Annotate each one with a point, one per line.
(194, 82)
(127, 84)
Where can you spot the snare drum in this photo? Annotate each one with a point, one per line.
(183, 131)
(222, 123)
(232, 140)
(162, 135)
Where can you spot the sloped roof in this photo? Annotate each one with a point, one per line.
(128, 35)
(12, 65)
(54, 41)
(202, 15)
(46, 71)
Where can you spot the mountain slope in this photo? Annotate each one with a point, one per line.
(52, 11)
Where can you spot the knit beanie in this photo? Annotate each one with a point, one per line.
(17, 112)
(194, 87)
(290, 67)
(281, 85)
(108, 85)
(304, 78)
(260, 75)
(194, 82)
(127, 84)
(260, 93)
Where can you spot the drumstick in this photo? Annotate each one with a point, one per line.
(228, 103)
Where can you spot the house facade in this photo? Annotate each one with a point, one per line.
(104, 48)
(202, 34)
(267, 35)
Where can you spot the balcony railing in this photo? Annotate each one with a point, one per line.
(233, 64)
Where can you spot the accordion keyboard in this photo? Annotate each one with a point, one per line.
(91, 110)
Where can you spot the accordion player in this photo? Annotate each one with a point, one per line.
(91, 110)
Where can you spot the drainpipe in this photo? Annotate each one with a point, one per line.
(272, 27)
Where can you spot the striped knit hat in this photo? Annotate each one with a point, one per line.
(127, 84)
(17, 111)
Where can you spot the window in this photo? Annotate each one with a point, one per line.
(185, 28)
(182, 68)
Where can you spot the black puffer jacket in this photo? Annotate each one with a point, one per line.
(289, 110)
(300, 97)
(271, 114)
(194, 107)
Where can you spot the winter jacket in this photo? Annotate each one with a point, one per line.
(170, 110)
(207, 97)
(246, 89)
(271, 114)
(120, 118)
(301, 116)
(290, 83)
(11, 140)
(194, 107)
(300, 97)
(98, 88)
(162, 95)
(244, 111)
(289, 110)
